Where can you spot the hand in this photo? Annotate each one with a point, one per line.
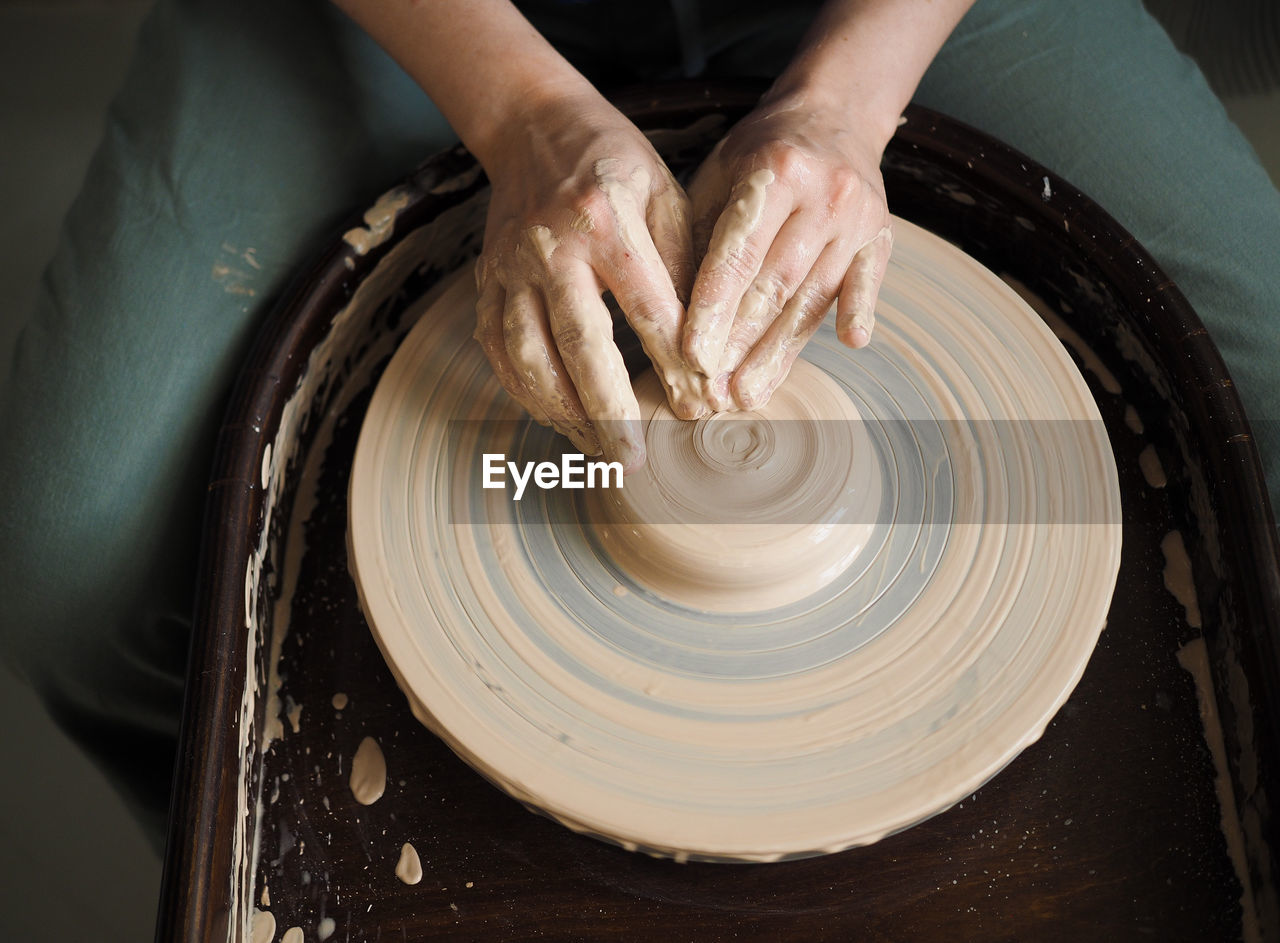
(790, 212)
(583, 204)
(562, 162)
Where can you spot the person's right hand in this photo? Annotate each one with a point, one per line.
(790, 213)
(582, 204)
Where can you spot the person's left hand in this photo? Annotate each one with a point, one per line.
(789, 213)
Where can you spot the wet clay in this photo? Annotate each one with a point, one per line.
(744, 511)
(960, 532)
(1178, 577)
(409, 867)
(263, 927)
(1152, 469)
(368, 772)
(1194, 658)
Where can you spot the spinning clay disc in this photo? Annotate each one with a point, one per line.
(795, 630)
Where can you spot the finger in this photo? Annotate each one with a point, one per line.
(708, 194)
(638, 280)
(528, 342)
(583, 334)
(856, 310)
(744, 230)
(770, 360)
(790, 259)
(669, 225)
(640, 268)
(489, 333)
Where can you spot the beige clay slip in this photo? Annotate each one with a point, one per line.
(933, 557)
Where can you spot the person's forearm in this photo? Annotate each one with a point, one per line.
(868, 56)
(480, 61)
(580, 204)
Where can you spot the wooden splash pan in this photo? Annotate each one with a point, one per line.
(1110, 825)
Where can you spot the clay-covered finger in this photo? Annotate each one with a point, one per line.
(856, 310)
(708, 194)
(489, 334)
(639, 282)
(672, 234)
(743, 232)
(770, 360)
(790, 259)
(640, 260)
(532, 351)
(583, 334)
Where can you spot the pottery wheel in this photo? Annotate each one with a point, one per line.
(763, 703)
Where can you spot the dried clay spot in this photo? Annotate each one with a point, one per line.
(368, 772)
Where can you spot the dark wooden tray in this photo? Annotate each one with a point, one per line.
(1109, 827)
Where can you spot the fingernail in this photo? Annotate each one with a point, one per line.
(627, 446)
(864, 317)
(718, 393)
(750, 386)
(688, 409)
(584, 440)
(683, 392)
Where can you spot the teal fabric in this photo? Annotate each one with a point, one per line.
(245, 132)
(238, 142)
(1098, 93)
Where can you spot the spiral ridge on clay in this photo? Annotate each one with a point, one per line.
(970, 574)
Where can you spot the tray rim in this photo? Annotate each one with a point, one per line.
(208, 756)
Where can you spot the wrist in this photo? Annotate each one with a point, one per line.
(864, 58)
(865, 106)
(480, 61)
(523, 112)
